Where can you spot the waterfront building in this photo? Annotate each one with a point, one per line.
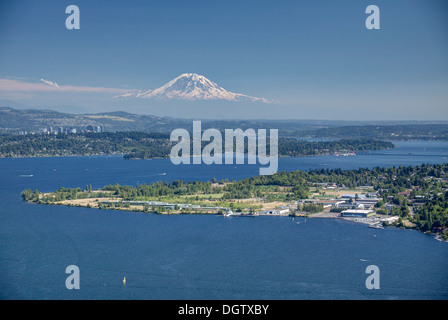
(358, 213)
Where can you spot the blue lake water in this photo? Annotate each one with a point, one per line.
(204, 257)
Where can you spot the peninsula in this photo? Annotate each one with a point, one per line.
(408, 197)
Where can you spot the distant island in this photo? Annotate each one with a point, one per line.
(141, 145)
(406, 197)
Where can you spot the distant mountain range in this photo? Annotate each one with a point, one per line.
(192, 86)
(14, 120)
(32, 120)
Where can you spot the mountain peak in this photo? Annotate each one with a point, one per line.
(192, 86)
(190, 75)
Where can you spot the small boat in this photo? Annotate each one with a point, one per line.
(376, 226)
(228, 214)
(124, 281)
(162, 174)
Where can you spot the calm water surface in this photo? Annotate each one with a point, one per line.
(204, 257)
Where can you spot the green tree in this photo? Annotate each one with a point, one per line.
(35, 197)
(27, 195)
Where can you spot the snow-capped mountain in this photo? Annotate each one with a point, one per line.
(191, 86)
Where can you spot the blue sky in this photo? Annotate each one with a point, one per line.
(316, 59)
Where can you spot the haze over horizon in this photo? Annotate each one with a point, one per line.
(254, 60)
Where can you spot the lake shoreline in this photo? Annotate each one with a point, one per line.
(378, 220)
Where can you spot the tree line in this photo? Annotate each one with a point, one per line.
(437, 131)
(427, 187)
(140, 145)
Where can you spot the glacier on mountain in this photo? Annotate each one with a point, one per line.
(191, 86)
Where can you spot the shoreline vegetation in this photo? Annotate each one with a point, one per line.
(140, 145)
(405, 197)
